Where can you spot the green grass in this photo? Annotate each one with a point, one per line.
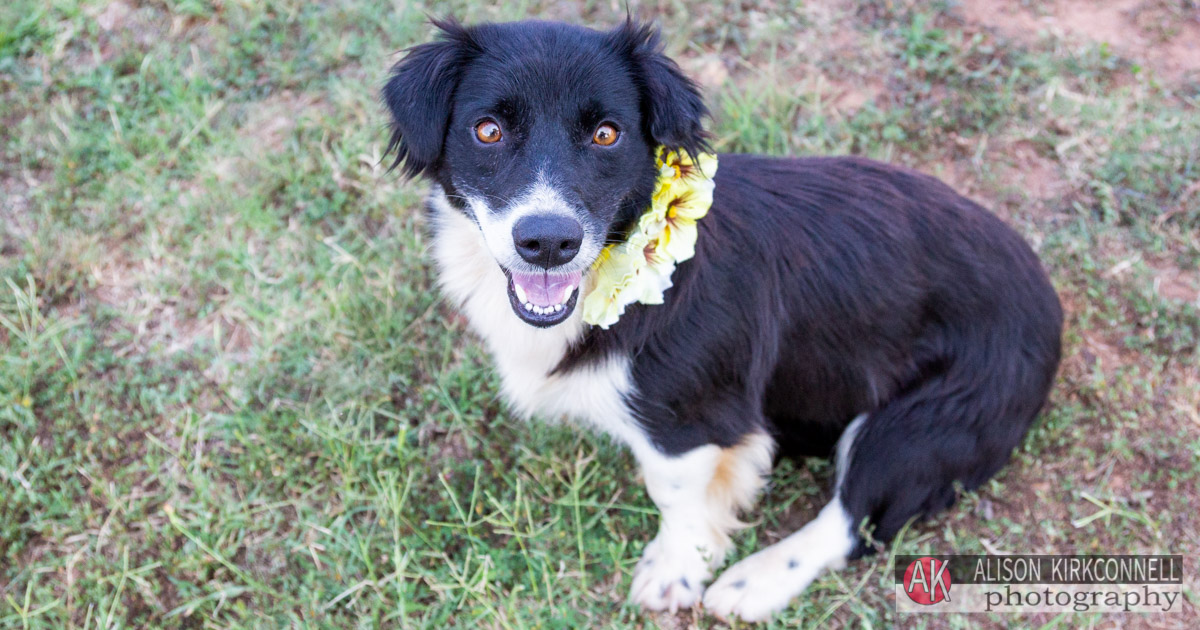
(230, 396)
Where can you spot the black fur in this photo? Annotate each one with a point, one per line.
(418, 93)
(821, 289)
(672, 108)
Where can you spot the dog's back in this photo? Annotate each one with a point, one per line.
(829, 286)
(909, 303)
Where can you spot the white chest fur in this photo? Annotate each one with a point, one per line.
(524, 354)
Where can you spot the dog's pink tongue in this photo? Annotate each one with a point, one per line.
(545, 289)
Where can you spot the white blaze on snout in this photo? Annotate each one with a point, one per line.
(526, 356)
(541, 198)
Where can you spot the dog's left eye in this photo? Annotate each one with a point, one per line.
(488, 131)
(605, 135)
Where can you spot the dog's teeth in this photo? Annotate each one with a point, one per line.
(567, 295)
(520, 293)
(541, 310)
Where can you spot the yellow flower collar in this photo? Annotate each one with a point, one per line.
(640, 268)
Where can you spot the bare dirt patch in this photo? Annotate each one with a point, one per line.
(1026, 182)
(709, 70)
(853, 95)
(1165, 36)
(267, 126)
(162, 323)
(1175, 283)
(114, 16)
(120, 27)
(16, 190)
(272, 120)
(1040, 177)
(960, 175)
(825, 53)
(836, 21)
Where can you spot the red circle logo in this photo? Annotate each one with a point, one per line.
(927, 581)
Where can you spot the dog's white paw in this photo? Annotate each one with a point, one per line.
(759, 586)
(764, 583)
(670, 576)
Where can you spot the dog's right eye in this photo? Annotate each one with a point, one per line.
(488, 132)
(605, 135)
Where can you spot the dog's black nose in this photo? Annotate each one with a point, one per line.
(547, 240)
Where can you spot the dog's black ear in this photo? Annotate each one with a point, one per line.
(419, 95)
(672, 107)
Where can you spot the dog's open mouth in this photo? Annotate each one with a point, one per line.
(543, 299)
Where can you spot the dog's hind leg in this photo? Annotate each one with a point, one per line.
(699, 494)
(906, 459)
(947, 435)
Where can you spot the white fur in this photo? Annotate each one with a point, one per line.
(540, 198)
(699, 494)
(679, 561)
(845, 442)
(524, 355)
(763, 584)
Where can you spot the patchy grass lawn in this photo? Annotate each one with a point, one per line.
(230, 398)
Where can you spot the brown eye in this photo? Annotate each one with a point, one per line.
(605, 135)
(488, 132)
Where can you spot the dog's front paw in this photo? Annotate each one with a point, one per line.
(670, 576)
(759, 586)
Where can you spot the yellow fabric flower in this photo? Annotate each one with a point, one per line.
(680, 233)
(639, 269)
(612, 272)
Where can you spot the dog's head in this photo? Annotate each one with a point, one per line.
(544, 135)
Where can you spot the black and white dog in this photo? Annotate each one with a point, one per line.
(834, 306)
